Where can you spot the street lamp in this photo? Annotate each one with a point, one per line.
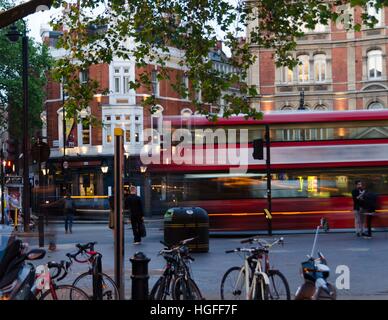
(13, 36)
(104, 167)
(301, 101)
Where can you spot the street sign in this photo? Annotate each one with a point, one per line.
(14, 181)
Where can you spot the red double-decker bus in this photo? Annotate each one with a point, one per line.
(316, 157)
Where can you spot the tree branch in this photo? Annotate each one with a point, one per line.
(16, 13)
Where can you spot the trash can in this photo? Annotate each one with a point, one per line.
(187, 222)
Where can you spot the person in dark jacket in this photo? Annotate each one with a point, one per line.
(69, 213)
(368, 208)
(357, 195)
(134, 206)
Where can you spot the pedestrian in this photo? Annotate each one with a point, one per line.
(69, 213)
(111, 213)
(357, 195)
(134, 206)
(368, 208)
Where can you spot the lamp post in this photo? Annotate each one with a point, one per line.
(13, 36)
(301, 101)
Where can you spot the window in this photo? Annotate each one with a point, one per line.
(320, 67)
(375, 106)
(373, 12)
(287, 75)
(287, 107)
(117, 84)
(128, 133)
(137, 132)
(303, 68)
(118, 117)
(84, 76)
(108, 133)
(375, 64)
(126, 84)
(157, 123)
(127, 117)
(154, 83)
(85, 132)
(185, 85)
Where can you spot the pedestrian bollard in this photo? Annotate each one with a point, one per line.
(41, 230)
(139, 276)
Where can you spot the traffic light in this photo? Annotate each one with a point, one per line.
(9, 167)
(258, 149)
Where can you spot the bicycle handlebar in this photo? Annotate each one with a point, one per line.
(264, 243)
(249, 250)
(84, 247)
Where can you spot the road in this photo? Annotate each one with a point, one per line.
(367, 259)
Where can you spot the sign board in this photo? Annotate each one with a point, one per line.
(13, 181)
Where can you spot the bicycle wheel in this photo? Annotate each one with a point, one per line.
(183, 289)
(109, 288)
(233, 284)
(65, 292)
(260, 289)
(278, 286)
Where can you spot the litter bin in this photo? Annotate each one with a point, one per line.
(187, 222)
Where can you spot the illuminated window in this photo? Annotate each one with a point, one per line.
(303, 68)
(85, 133)
(108, 132)
(128, 133)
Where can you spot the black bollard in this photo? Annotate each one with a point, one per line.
(139, 276)
(41, 230)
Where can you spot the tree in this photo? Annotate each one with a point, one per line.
(11, 93)
(95, 31)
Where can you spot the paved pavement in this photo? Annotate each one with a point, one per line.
(367, 259)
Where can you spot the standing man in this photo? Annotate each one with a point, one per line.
(134, 205)
(357, 195)
(69, 213)
(369, 206)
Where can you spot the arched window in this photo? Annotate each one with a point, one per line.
(287, 108)
(303, 68)
(320, 107)
(186, 112)
(376, 105)
(375, 64)
(320, 67)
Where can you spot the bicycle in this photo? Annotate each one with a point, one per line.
(259, 282)
(45, 288)
(102, 286)
(176, 280)
(278, 284)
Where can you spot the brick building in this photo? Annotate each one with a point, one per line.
(339, 70)
(89, 148)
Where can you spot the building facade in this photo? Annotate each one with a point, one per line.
(76, 165)
(338, 70)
